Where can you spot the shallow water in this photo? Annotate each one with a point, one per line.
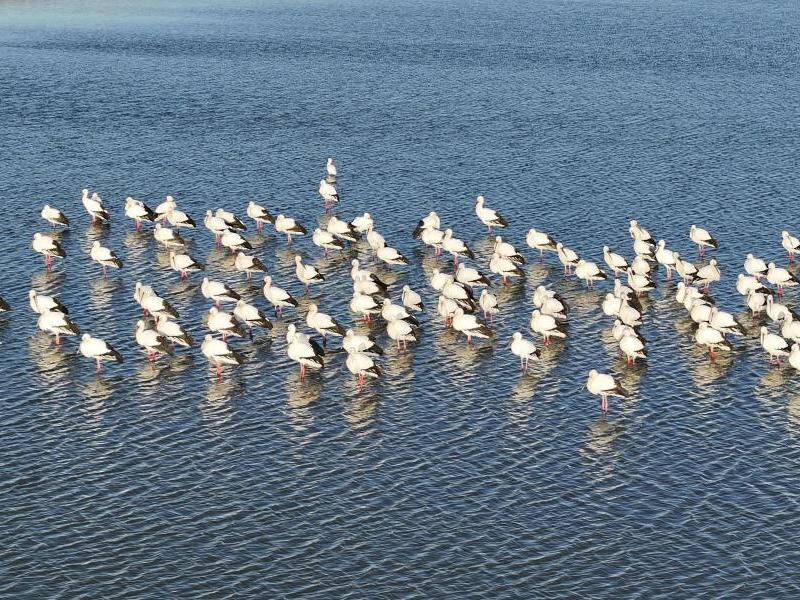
(453, 476)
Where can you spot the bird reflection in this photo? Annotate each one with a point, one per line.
(793, 412)
(47, 282)
(600, 439)
(102, 290)
(360, 412)
(301, 395)
(51, 360)
(96, 392)
(217, 407)
(775, 378)
(704, 371)
(630, 376)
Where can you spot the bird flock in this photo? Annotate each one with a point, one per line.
(465, 301)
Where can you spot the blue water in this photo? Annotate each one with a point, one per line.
(453, 476)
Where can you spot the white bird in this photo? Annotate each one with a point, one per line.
(48, 247)
(215, 225)
(489, 217)
(725, 322)
(352, 342)
(104, 257)
(359, 274)
(780, 277)
(639, 233)
(323, 323)
(505, 267)
(632, 346)
(507, 250)
(774, 344)
(278, 297)
(615, 262)
(168, 237)
(224, 323)
(589, 272)
(439, 280)
(455, 246)
(362, 223)
(54, 216)
(330, 168)
(306, 274)
(390, 256)
(326, 240)
(640, 284)
(94, 206)
(755, 266)
(756, 301)
(665, 257)
(178, 218)
(167, 205)
(791, 244)
(700, 311)
(620, 330)
(249, 264)
(138, 211)
(365, 305)
(219, 353)
(644, 249)
(702, 238)
(342, 229)
(401, 332)
(685, 269)
(603, 385)
(362, 365)
(433, 238)
(328, 192)
(230, 219)
(525, 349)
(568, 257)
(234, 242)
(431, 221)
(411, 299)
(711, 338)
(151, 341)
(289, 227)
(41, 303)
(304, 351)
(251, 316)
(375, 240)
(546, 326)
(708, 274)
(794, 357)
(641, 266)
(629, 315)
(538, 240)
(746, 283)
(152, 303)
(57, 323)
(776, 311)
(218, 291)
(446, 308)
(98, 350)
(611, 305)
(259, 214)
(461, 294)
(174, 332)
(488, 303)
(392, 312)
(790, 328)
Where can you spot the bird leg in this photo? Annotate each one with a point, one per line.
(289, 242)
(138, 225)
(541, 255)
(302, 372)
(105, 270)
(58, 340)
(219, 373)
(97, 368)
